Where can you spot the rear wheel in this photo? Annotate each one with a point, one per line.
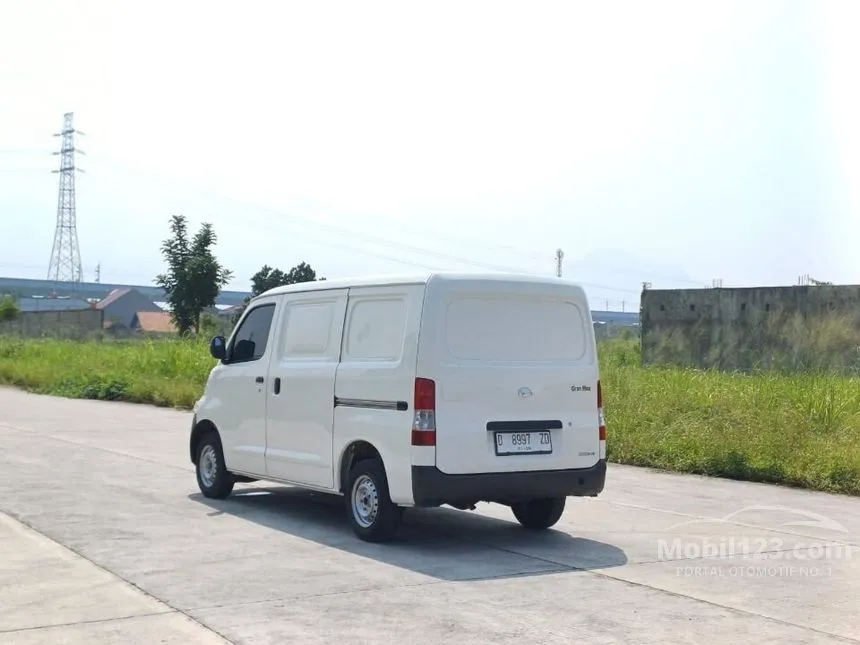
(372, 514)
(539, 513)
(213, 478)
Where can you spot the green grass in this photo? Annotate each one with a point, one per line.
(163, 372)
(799, 429)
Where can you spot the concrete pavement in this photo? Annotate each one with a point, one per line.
(48, 594)
(121, 548)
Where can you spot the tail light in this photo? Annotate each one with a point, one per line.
(601, 420)
(424, 420)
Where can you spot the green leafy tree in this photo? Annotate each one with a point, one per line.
(302, 272)
(194, 277)
(8, 309)
(265, 279)
(269, 278)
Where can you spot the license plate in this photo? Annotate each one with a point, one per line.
(523, 443)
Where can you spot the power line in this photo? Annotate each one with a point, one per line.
(304, 222)
(397, 245)
(398, 225)
(533, 253)
(353, 234)
(413, 230)
(23, 151)
(300, 221)
(352, 249)
(276, 216)
(124, 276)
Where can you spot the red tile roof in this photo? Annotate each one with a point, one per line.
(154, 322)
(111, 298)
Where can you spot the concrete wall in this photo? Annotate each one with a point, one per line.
(751, 327)
(55, 324)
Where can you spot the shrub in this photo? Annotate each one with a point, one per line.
(8, 309)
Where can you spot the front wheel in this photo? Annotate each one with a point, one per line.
(372, 514)
(539, 513)
(213, 478)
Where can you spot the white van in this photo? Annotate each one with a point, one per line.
(400, 392)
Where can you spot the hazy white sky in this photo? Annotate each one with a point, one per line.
(673, 142)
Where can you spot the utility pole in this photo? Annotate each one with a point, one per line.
(98, 272)
(559, 258)
(65, 265)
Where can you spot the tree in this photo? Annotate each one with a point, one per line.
(269, 278)
(265, 279)
(194, 277)
(301, 273)
(8, 309)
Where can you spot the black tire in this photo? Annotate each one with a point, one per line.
(378, 526)
(539, 514)
(213, 478)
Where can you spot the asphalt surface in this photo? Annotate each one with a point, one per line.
(104, 538)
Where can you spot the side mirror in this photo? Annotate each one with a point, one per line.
(218, 348)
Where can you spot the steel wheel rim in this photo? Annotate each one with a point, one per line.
(365, 501)
(208, 466)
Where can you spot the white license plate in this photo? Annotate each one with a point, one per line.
(524, 443)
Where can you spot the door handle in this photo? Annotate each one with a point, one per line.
(259, 379)
(277, 385)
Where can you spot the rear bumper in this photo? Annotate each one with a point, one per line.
(432, 487)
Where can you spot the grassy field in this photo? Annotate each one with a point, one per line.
(799, 429)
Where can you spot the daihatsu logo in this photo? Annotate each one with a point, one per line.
(524, 393)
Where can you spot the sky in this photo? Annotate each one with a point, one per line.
(669, 142)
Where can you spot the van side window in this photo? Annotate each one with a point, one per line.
(252, 336)
(308, 328)
(375, 329)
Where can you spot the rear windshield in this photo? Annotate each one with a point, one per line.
(515, 329)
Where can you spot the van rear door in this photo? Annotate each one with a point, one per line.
(516, 375)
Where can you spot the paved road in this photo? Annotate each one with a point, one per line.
(106, 539)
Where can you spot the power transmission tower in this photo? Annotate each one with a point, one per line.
(65, 265)
(559, 258)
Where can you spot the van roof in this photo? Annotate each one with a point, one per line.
(419, 278)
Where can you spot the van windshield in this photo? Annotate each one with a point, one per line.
(515, 329)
